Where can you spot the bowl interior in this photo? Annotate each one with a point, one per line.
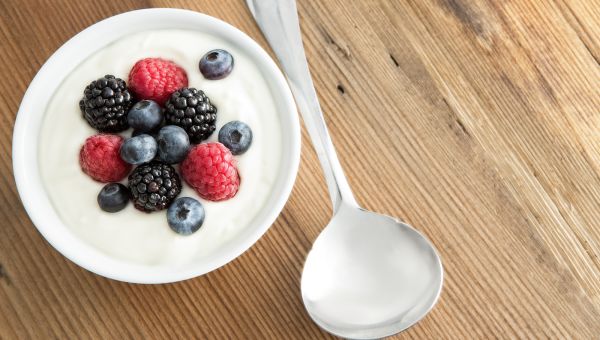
(62, 62)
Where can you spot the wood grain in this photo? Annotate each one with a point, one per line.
(477, 121)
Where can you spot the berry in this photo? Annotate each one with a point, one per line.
(236, 136)
(173, 144)
(216, 64)
(156, 79)
(191, 109)
(185, 216)
(99, 158)
(105, 104)
(211, 170)
(153, 133)
(145, 116)
(154, 186)
(139, 149)
(113, 197)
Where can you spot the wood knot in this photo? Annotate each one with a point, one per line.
(466, 14)
(342, 49)
(394, 60)
(4, 274)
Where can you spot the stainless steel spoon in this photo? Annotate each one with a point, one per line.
(367, 276)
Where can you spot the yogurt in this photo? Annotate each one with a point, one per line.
(139, 237)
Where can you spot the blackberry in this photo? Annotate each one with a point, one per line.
(191, 109)
(105, 104)
(154, 186)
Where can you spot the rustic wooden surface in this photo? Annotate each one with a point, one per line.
(476, 121)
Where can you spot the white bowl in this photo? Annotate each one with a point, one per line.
(61, 63)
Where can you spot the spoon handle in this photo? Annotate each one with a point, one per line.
(278, 20)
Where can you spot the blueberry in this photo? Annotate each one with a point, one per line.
(145, 116)
(153, 133)
(185, 216)
(173, 144)
(216, 64)
(236, 136)
(136, 133)
(113, 197)
(139, 149)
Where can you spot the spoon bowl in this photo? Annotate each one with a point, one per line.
(369, 276)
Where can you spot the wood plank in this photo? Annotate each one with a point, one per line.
(476, 121)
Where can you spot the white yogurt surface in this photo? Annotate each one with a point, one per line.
(132, 235)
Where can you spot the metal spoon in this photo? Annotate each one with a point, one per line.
(367, 276)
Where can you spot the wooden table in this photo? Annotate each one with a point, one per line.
(476, 121)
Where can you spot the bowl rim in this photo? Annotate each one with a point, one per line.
(43, 214)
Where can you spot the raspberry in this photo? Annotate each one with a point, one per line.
(99, 158)
(211, 170)
(155, 79)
